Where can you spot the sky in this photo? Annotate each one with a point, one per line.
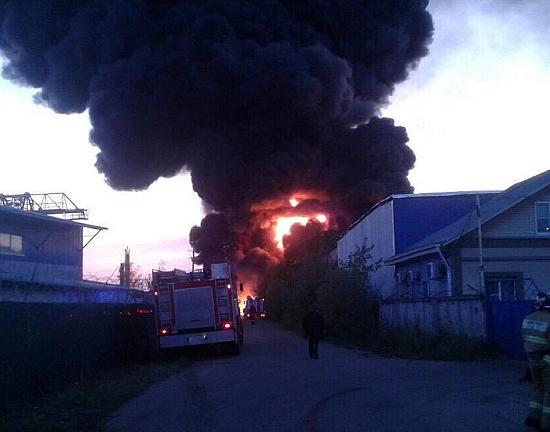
(475, 110)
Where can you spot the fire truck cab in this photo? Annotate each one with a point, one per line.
(196, 309)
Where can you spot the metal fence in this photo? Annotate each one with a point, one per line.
(47, 345)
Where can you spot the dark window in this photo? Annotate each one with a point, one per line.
(505, 287)
(11, 244)
(542, 211)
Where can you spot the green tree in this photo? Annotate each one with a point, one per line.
(341, 293)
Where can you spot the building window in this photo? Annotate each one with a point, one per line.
(504, 286)
(11, 244)
(542, 210)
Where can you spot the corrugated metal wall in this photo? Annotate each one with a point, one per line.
(377, 230)
(51, 250)
(397, 224)
(464, 315)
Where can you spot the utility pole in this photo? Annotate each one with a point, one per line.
(124, 270)
(193, 245)
(480, 245)
(127, 264)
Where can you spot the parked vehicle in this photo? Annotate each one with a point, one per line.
(195, 309)
(261, 311)
(254, 308)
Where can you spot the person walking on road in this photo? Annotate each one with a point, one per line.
(313, 330)
(252, 314)
(535, 331)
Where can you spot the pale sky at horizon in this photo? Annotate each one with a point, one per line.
(474, 111)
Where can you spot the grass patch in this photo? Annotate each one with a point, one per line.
(86, 406)
(415, 344)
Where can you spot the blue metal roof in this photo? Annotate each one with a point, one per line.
(422, 196)
(45, 218)
(67, 291)
(469, 222)
(418, 216)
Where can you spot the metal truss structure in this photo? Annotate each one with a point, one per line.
(53, 204)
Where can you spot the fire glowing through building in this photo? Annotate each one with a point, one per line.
(283, 224)
(258, 100)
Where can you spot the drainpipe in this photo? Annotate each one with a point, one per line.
(480, 245)
(449, 272)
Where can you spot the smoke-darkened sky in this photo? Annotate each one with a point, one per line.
(257, 99)
(321, 91)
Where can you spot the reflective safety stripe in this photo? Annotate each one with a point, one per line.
(535, 405)
(546, 410)
(535, 325)
(536, 339)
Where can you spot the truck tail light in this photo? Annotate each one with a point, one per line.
(165, 331)
(227, 326)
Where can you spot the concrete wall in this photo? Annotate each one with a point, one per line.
(376, 229)
(460, 315)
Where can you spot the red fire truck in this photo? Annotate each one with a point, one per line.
(195, 309)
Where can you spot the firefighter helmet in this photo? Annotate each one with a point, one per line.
(542, 301)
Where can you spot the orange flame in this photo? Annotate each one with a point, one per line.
(284, 223)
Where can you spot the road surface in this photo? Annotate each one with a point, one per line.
(274, 386)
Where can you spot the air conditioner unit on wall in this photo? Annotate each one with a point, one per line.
(413, 277)
(434, 270)
(398, 278)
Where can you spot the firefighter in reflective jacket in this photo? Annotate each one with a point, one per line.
(535, 331)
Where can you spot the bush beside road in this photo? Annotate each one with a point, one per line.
(416, 345)
(351, 311)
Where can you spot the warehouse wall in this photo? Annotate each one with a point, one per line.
(376, 230)
(52, 250)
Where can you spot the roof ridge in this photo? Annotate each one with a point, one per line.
(501, 203)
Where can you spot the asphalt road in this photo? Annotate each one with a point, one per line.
(274, 386)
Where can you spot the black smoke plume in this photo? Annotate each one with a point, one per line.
(258, 99)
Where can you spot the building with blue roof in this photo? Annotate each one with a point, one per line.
(396, 223)
(37, 247)
(41, 256)
(466, 262)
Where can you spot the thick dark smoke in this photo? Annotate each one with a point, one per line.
(258, 99)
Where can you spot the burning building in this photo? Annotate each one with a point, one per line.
(273, 106)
